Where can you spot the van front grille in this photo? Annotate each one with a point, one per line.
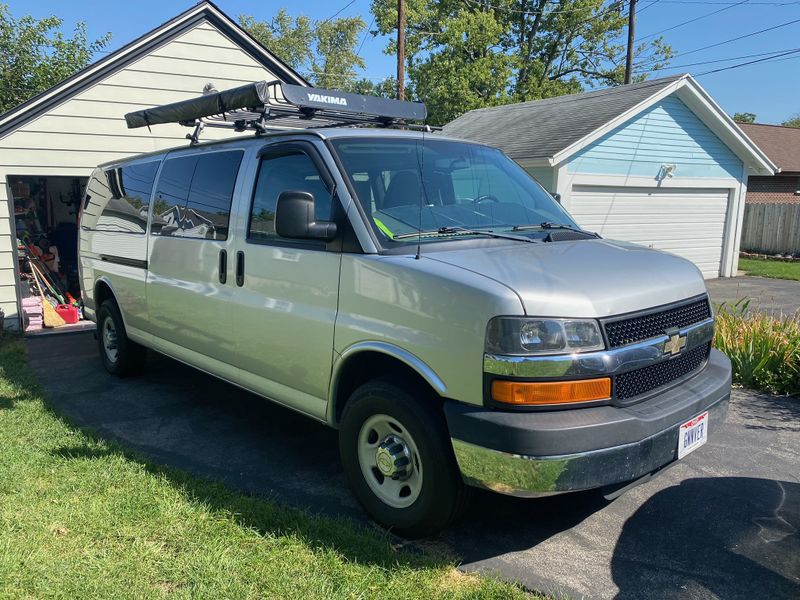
(643, 327)
(635, 383)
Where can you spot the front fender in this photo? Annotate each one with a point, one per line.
(404, 356)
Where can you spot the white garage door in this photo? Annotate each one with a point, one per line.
(687, 222)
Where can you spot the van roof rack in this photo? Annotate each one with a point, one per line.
(264, 105)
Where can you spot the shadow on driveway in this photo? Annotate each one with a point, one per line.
(179, 417)
(748, 551)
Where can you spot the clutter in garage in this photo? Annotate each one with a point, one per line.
(46, 217)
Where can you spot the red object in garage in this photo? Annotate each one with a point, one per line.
(68, 313)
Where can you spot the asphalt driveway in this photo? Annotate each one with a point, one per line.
(722, 523)
(775, 295)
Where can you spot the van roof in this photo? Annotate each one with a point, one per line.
(323, 133)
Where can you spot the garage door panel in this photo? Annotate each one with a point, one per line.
(689, 223)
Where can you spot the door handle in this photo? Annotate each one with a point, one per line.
(240, 268)
(223, 266)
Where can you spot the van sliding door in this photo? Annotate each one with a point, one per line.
(189, 301)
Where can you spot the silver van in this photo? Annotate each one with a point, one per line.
(422, 295)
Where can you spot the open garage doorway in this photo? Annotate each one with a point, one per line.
(46, 225)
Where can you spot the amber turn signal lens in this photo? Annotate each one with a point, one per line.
(534, 393)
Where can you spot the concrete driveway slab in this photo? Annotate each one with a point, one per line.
(775, 295)
(722, 523)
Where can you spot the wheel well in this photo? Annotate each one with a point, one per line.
(102, 292)
(369, 365)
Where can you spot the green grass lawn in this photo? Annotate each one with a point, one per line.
(82, 518)
(770, 268)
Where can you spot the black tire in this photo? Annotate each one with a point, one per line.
(442, 496)
(130, 356)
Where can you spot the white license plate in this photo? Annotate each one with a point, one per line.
(692, 435)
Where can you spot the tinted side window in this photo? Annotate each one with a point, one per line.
(172, 194)
(118, 198)
(276, 174)
(194, 195)
(212, 192)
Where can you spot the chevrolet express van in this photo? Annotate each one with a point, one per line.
(422, 295)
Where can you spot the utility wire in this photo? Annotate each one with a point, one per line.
(702, 2)
(616, 4)
(751, 62)
(735, 39)
(364, 39)
(645, 7)
(741, 37)
(714, 12)
(719, 60)
(338, 12)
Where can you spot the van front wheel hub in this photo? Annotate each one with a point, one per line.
(393, 458)
(389, 461)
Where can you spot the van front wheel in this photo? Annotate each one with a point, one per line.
(398, 458)
(120, 355)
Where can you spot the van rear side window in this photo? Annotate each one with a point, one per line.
(118, 198)
(194, 195)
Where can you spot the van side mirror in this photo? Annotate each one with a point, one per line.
(294, 218)
(556, 196)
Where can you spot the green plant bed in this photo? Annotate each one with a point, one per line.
(764, 349)
(82, 518)
(775, 269)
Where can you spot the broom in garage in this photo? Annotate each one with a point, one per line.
(49, 315)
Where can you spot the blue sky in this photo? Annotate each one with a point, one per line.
(769, 89)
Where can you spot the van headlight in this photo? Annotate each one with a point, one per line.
(524, 335)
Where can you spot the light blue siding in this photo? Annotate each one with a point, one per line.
(543, 175)
(666, 133)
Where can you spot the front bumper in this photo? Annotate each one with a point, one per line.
(541, 453)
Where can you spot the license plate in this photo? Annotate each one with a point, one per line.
(692, 435)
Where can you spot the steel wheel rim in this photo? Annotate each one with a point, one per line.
(397, 493)
(110, 340)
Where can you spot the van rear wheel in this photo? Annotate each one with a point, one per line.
(398, 458)
(120, 355)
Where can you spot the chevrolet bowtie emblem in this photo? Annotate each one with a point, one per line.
(675, 344)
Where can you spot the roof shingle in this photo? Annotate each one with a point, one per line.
(542, 128)
(781, 144)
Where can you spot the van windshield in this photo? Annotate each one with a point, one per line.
(438, 187)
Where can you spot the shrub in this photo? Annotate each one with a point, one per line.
(764, 348)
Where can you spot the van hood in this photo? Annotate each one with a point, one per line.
(586, 278)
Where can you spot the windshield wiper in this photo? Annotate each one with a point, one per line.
(549, 225)
(463, 231)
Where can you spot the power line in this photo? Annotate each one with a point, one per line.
(714, 12)
(735, 39)
(616, 4)
(741, 37)
(644, 8)
(719, 60)
(338, 12)
(364, 39)
(751, 62)
(702, 2)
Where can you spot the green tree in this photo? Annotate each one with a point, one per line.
(35, 55)
(324, 52)
(745, 117)
(463, 54)
(793, 122)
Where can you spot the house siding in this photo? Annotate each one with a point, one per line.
(666, 133)
(89, 128)
(543, 175)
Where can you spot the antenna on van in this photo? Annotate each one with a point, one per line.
(276, 105)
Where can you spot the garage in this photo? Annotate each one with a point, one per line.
(50, 145)
(656, 163)
(686, 222)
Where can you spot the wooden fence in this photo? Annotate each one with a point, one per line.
(771, 228)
